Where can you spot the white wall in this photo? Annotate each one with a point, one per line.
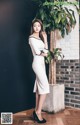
(70, 44)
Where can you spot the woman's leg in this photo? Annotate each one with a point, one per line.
(37, 101)
(40, 104)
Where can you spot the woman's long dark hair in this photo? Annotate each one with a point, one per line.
(32, 30)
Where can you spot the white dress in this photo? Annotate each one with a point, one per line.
(41, 83)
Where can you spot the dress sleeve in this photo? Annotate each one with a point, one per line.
(33, 45)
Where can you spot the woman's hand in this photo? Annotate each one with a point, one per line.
(44, 54)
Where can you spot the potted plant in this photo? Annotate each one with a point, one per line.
(58, 20)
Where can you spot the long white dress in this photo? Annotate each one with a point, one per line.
(38, 65)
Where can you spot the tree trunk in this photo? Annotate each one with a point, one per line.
(52, 65)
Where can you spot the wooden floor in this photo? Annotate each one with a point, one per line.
(69, 116)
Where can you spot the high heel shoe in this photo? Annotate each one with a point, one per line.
(37, 119)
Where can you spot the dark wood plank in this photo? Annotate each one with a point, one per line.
(69, 116)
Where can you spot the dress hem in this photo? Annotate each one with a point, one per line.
(42, 93)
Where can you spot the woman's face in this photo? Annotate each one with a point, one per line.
(37, 27)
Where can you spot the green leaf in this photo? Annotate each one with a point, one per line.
(55, 16)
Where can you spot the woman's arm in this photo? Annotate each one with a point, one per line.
(33, 46)
(45, 53)
(45, 39)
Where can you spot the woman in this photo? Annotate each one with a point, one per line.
(39, 47)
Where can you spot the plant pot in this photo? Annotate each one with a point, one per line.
(55, 99)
